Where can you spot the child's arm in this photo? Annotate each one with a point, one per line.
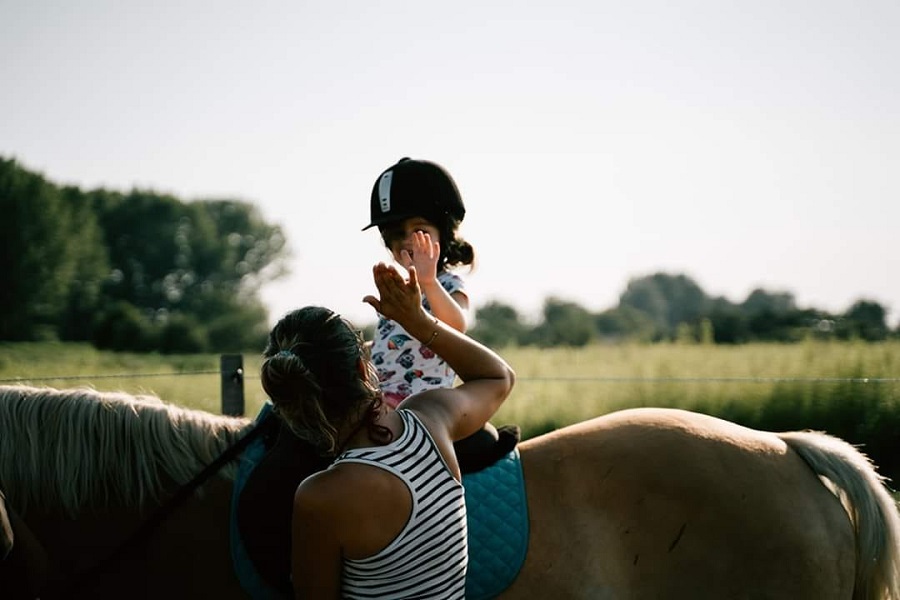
(487, 378)
(449, 308)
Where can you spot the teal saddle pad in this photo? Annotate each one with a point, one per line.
(497, 514)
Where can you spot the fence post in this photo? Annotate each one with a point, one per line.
(231, 367)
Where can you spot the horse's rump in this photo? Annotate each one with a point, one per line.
(645, 500)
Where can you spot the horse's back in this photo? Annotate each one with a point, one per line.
(668, 503)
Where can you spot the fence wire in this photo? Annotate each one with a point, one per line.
(580, 379)
(107, 376)
(714, 379)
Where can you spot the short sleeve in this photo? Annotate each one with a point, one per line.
(451, 282)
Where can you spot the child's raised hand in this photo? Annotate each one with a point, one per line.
(424, 256)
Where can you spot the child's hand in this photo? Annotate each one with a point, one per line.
(400, 300)
(424, 257)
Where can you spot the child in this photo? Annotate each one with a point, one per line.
(417, 208)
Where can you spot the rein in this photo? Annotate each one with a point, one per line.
(70, 586)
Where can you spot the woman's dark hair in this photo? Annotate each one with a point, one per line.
(317, 372)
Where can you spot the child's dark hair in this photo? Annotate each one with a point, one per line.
(421, 188)
(311, 372)
(455, 251)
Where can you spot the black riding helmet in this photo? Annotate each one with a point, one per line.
(413, 188)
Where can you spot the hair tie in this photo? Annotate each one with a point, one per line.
(285, 353)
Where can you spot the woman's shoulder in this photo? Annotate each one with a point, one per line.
(432, 410)
(320, 490)
(342, 488)
(360, 507)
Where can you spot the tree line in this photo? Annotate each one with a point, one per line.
(137, 271)
(144, 271)
(674, 308)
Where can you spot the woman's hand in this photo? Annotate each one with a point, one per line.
(400, 299)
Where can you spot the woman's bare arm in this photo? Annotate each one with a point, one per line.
(315, 547)
(487, 378)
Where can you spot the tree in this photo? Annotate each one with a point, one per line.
(625, 323)
(182, 334)
(498, 325)
(201, 263)
(668, 299)
(50, 250)
(121, 326)
(131, 271)
(728, 321)
(645, 296)
(771, 316)
(866, 320)
(91, 270)
(564, 324)
(776, 303)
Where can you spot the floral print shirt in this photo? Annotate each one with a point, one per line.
(406, 367)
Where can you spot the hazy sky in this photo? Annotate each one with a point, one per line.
(744, 144)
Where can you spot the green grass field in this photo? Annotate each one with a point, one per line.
(561, 386)
(849, 389)
(555, 387)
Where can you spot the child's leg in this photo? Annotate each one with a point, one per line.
(485, 447)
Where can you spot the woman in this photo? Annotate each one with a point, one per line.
(387, 518)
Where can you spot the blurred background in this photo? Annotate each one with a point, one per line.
(177, 176)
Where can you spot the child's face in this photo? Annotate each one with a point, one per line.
(398, 236)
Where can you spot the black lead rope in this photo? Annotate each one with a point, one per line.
(68, 587)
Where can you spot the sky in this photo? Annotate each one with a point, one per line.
(743, 144)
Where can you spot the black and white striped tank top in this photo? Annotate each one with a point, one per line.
(428, 557)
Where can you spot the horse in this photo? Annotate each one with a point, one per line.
(638, 503)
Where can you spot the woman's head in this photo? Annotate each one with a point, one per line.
(424, 192)
(317, 373)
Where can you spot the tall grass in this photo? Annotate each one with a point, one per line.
(188, 380)
(811, 385)
(556, 386)
(559, 386)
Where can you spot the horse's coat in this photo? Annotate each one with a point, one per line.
(643, 503)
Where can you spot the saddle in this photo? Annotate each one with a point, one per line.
(263, 506)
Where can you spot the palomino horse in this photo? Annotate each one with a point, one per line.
(641, 503)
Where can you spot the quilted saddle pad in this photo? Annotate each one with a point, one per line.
(497, 514)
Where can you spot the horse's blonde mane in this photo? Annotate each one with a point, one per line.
(81, 447)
